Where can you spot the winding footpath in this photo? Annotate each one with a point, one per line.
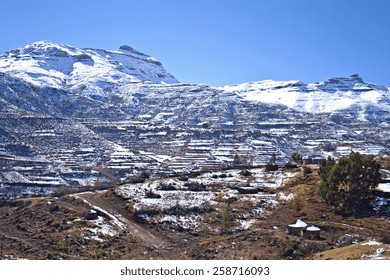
(124, 223)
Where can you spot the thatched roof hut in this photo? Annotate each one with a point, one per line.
(312, 232)
(297, 228)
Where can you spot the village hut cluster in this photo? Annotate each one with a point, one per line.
(302, 229)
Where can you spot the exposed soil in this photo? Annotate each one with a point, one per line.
(56, 228)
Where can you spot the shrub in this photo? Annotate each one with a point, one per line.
(144, 174)
(245, 173)
(226, 219)
(307, 171)
(141, 216)
(183, 178)
(54, 208)
(270, 167)
(151, 194)
(137, 180)
(297, 158)
(167, 187)
(297, 204)
(195, 187)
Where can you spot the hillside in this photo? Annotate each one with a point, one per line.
(169, 219)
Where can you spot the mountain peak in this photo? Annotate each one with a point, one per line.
(127, 48)
(47, 64)
(45, 47)
(42, 43)
(353, 79)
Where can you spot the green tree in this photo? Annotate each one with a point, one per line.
(348, 184)
(272, 160)
(226, 219)
(236, 160)
(297, 158)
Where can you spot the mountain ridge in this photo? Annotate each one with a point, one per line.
(44, 63)
(91, 71)
(337, 93)
(73, 117)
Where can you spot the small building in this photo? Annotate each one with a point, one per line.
(314, 159)
(290, 165)
(296, 229)
(317, 160)
(312, 232)
(307, 160)
(91, 215)
(302, 229)
(248, 190)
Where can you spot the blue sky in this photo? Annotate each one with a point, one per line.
(219, 42)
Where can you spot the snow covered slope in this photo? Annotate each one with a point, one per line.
(46, 64)
(336, 94)
(68, 115)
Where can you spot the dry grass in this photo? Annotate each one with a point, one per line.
(355, 252)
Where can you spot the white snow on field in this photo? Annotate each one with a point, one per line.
(245, 224)
(219, 186)
(185, 199)
(13, 176)
(188, 221)
(378, 255)
(372, 243)
(285, 197)
(385, 187)
(102, 227)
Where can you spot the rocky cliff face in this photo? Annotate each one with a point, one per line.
(74, 117)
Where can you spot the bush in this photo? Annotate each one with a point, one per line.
(270, 167)
(307, 171)
(245, 173)
(54, 208)
(144, 175)
(136, 180)
(63, 190)
(151, 194)
(195, 187)
(183, 178)
(167, 187)
(141, 216)
(349, 183)
(297, 158)
(297, 204)
(226, 219)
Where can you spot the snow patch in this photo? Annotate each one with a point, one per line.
(372, 243)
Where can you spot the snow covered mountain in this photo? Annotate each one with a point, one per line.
(336, 94)
(46, 64)
(73, 117)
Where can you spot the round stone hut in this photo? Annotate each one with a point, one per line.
(297, 228)
(312, 232)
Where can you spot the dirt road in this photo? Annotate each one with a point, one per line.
(136, 230)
